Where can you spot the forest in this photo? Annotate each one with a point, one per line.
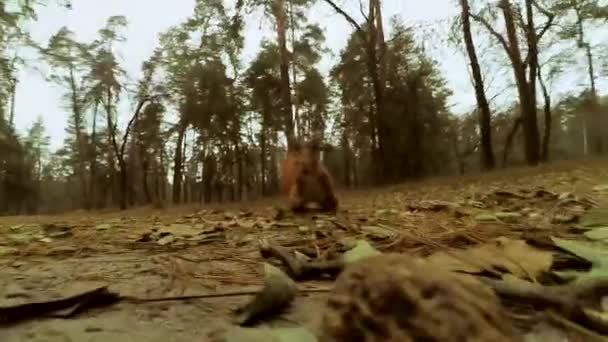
(205, 127)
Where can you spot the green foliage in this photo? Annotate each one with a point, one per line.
(416, 102)
(594, 252)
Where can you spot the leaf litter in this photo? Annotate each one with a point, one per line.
(187, 266)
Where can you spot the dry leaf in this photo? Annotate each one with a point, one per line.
(503, 254)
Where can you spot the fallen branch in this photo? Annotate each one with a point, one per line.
(300, 269)
(210, 295)
(569, 300)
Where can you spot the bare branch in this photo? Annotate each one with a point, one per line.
(348, 18)
(492, 31)
(520, 17)
(548, 24)
(140, 105)
(362, 11)
(550, 18)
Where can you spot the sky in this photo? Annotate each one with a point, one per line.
(146, 19)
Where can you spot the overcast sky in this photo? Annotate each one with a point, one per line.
(148, 18)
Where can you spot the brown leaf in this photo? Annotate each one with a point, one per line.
(503, 255)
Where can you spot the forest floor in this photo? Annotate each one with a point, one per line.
(148, 253)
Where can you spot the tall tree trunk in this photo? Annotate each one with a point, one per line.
(346, 158)
(595, 131)
(296, 107)
(80, 148)
(509, 141)
(263, 152)
(531, 119)
(162, 177)
(487, 155)
(93, 161)
(286, 105)
(369, 40)
(118, 154)
(547, 113)
(178, 164)
(375, 48)
(526, 100)
(145, 169)
(185, 173)
(112, 151)
(11, 118)
(239, 159)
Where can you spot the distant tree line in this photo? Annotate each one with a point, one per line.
(206, 128)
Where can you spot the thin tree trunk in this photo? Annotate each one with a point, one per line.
(263, 151)
(487, 155)
(239, 160)
(369, 40)
(547, 113)
(595, 135)
(177, 165)
(532, 63)
(281, 19)
(112, 153)
(79, 141)
(93, 161)
(11, 119)
(296, 107)
(509, 141)
(527, 101)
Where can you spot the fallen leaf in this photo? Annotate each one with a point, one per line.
(378, 232)
(545, 332)
(592, 251)
(600, 188)
(563, 218)
(165, 240)
(264, 334)
(277, 294)
(362, 249)
(600, 233)
(303, 229)
(103, 226)
(515, 257)
(64, 307)
(7, 250)
(508, 216)
(595, 217)
(485, 217)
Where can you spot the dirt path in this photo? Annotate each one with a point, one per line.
(148, 253)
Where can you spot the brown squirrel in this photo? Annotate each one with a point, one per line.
(305, 179)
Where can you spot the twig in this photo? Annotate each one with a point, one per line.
(211, 295)
(300, 270)
(576, 327)
(569, 300)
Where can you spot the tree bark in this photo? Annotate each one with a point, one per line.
(177, 164)
(526, 98)
(281, 19)
(93, 160)
(509, 141)
(11, 118)
(548, 115)
(595, 131)
(296, 103)
(369, 40)
(80, 150)
(487, 154)
(112, 153)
